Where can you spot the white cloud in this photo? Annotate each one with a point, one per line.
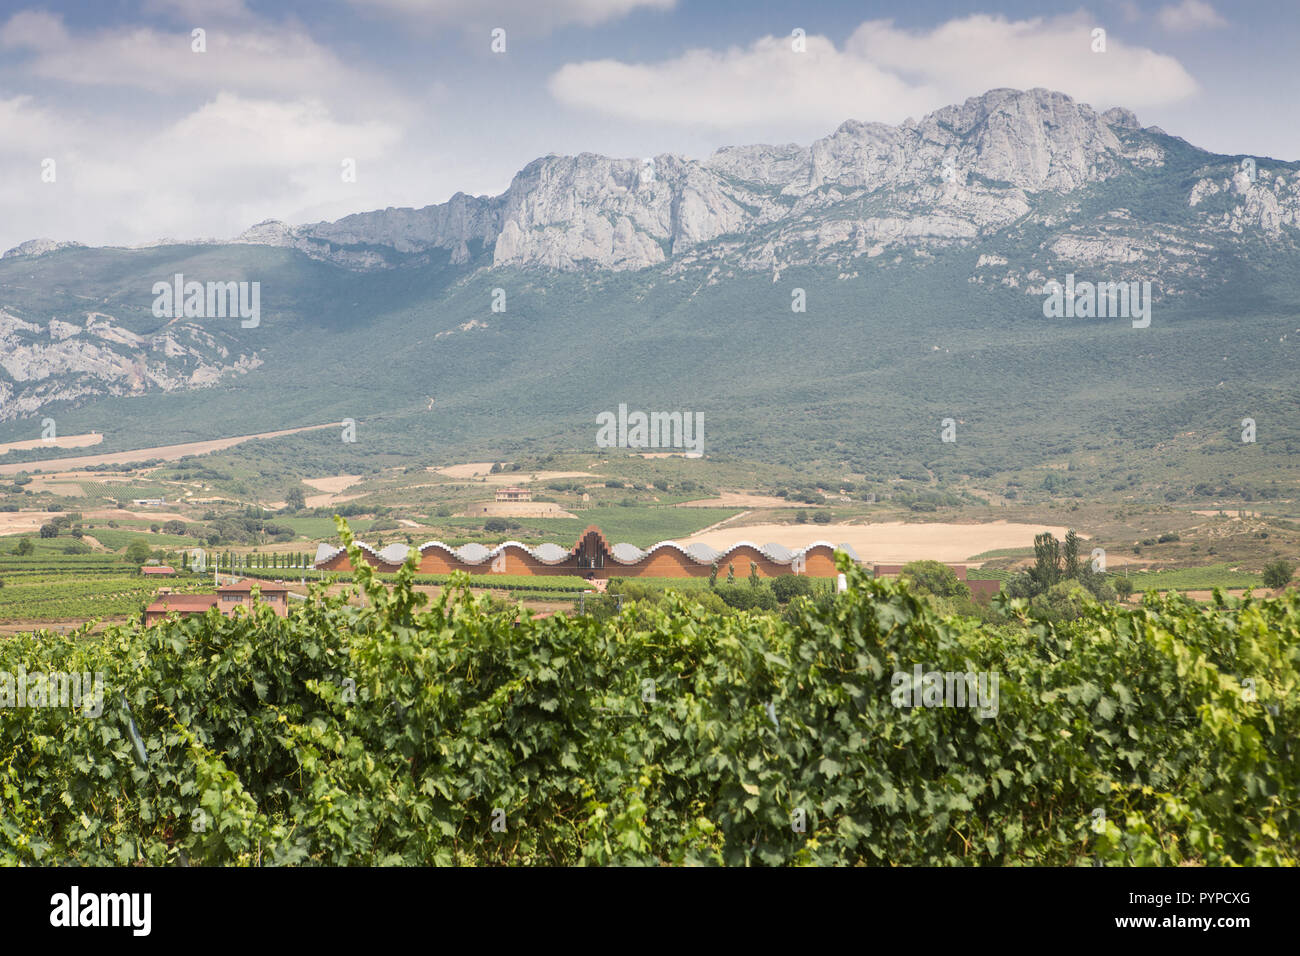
(35, 29)
(200, 11)
(980, 52)
(230, 131)
(28, 130)
(526, 14)
(212, 172)
(739, 87)
(1189, 15)
(882, 73)
(259, 58)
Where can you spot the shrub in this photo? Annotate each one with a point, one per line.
(1277, 574)
(1063, 601)
(936, 578)
(787, 587)
(747, 597)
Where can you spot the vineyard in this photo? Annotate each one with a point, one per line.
(548, 585)
(42, 596)
(405, 731)
(79, 563)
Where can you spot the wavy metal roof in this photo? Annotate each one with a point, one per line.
(395, 553)
(549, 553)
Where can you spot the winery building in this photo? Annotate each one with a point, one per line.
(592, 556)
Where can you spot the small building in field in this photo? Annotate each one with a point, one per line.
(149, 502)
(980, 589)
(227, 599)
(240, 594)
(158, 571)
(514, 493)
(186, 605)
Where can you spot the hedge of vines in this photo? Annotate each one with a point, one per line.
(399, 731)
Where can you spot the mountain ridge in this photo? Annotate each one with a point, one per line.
(922, 252)
(960, 173)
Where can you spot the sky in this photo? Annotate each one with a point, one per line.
(119, 124)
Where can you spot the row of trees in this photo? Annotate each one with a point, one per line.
(230, 561)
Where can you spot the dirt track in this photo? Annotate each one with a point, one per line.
(165, 452)
(66, 441)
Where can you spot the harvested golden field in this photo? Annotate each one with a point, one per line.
(483, 469)
(735, 499)
(332, 485)
(890, 542)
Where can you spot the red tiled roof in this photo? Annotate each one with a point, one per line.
(158, 569)
(183, 602)
(243, 587)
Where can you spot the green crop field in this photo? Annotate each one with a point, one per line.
(53, 561)
(322, 529)
(63, 596)
(1195, 579)
(1003, 553)
(118, 538)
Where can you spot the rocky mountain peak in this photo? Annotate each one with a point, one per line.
(960, 173)
(38, 247)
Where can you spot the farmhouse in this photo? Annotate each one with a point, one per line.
(978, 588)
(240, 594)
(227, 598)
(593, 557)
(157, 571)
(514, 493)
(186, 605)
